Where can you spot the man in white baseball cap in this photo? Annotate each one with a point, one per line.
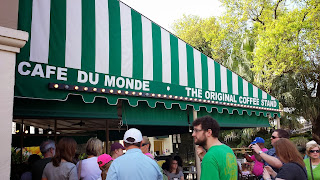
(133, 165)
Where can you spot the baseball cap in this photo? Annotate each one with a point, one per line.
(258, 140)
(104, 159)
(116, 145)
(133, 133)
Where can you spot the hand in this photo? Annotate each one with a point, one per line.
(270, 171)
(255, 148)
(266, 174)
(201, 152)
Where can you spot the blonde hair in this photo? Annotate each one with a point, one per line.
(94, 147)
(310, 146)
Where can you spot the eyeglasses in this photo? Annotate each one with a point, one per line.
(273, 137)
(197, 130)
(144, 144)
(314, 151)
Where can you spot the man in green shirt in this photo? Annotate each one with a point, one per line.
(219, 163)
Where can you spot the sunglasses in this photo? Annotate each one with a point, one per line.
(314, 151)
(273, 137)
(144, 144)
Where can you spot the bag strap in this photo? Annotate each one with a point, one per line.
(311, 168)
(79, 169)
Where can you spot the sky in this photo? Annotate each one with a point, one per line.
(165, 12)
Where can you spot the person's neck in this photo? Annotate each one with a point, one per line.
(212, 141)
(114, 156)
(315, 160)
(132, 147)
(48, 155)
(90, 156)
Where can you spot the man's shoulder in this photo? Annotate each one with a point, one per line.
(271, 152)
(216, 152)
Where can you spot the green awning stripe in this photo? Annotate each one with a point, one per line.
(157, 56)
(115, 38)
(174, 60)
(58, 35)
(88, 36)
(137, 45)
(205, 73)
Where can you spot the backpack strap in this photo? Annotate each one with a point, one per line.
(79, 169)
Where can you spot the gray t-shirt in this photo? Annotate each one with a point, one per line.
(173, 176)
(66, 171)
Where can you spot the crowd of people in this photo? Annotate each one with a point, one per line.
(282, 161)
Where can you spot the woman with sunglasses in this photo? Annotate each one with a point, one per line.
(293, 167)
(313, 162)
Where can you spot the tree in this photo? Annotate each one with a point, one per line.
(286, 51)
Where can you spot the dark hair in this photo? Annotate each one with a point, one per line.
(287, 152)
(179, 160)
(131, 144)
(282, 133)
(66, 149)
(206, 123)
(33, 158)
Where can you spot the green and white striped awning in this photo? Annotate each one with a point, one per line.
(103, 48)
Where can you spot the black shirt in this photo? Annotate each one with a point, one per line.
(292, 171)
(37, 168)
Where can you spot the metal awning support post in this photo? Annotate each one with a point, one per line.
(198, 163)
(55, 130)
(21, 140)
(107, 136)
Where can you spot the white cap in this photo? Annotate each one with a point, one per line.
(132, 133)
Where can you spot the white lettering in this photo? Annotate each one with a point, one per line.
(50, 70)
(62, 74)
(129, 83)
(20, 68)
(122, 84)
(38, 71)
(82, 77)
(109, 81)
(145, 86)
(96, 79)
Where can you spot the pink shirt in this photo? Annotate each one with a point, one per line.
(258, 166)
(150, 155)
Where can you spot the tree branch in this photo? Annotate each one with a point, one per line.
(275, 9)
(257, 18)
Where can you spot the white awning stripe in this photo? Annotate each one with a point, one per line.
(245, 88)
(197, 68)
(211, 75)
(235, 85)
(126, 40)
(183, 74)
(255, 91)
(147, 49)
(102, 36)
(166, 56)
(224, 84)
(40, 31)
(73, 34)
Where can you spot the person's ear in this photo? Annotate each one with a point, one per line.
(209, 132)
(140, 144)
